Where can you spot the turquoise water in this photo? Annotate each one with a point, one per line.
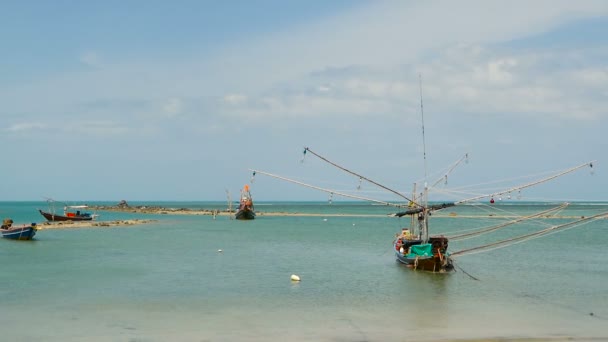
(167, 281)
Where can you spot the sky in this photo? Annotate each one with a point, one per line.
(177, 100)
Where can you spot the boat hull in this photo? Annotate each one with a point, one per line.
(245, 214)
(19, 233)
(433, 263)
(55, 217)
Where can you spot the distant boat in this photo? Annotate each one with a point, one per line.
(25, 232)
(246, 209)
(70, 213)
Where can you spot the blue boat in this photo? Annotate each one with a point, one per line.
(25, 232)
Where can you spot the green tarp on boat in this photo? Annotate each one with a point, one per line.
(424, 250)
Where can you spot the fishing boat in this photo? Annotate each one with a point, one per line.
(70, 213)
(246, 209)
(414, 246)
(25, 232)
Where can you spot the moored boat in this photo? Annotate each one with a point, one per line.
(25, 232)
(431, 256)
(246, 209)
(70, 213)
(68, 216)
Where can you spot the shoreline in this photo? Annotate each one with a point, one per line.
(211, 212)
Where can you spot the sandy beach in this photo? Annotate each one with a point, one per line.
(84, 224)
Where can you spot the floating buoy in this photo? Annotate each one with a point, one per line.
(295, 277)
(325, 220)
(353, 224)
(219, 251)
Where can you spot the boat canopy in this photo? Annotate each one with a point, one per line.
(424, 250)
(77, 206)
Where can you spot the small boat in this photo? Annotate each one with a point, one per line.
(70, 213)
(245, 210)
(25, 232)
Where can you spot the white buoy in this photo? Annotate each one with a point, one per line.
(219, 251)
(325, 220)
(295, 277)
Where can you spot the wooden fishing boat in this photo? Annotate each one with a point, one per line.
(25, 232)
(416, 248)
(418, 252)
(70, 213)
(67, 216)
(246, 209)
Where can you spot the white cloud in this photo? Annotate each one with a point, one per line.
(25, 126)
(235, 99)
(90, 58)
(95, 127)
(593, 77)
(474, 79)
(173, 107)
(324, 88)
(497, 71)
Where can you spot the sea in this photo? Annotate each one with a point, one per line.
(200, 278)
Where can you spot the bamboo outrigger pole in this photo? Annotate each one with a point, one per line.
(504, 243)
(590, 164)
(306, 149)
(329, 190)
(502, 225)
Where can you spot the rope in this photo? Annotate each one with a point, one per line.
(465, 272)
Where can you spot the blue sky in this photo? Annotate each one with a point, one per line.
(159, 100)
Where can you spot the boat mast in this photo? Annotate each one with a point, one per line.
(413, 218)
(425, 223)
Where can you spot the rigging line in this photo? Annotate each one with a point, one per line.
(505, 224)
(360, 176)
(465, 272)
(590, 164)
(330, 191)
(526, 237)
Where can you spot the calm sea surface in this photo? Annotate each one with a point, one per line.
(168, 281)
